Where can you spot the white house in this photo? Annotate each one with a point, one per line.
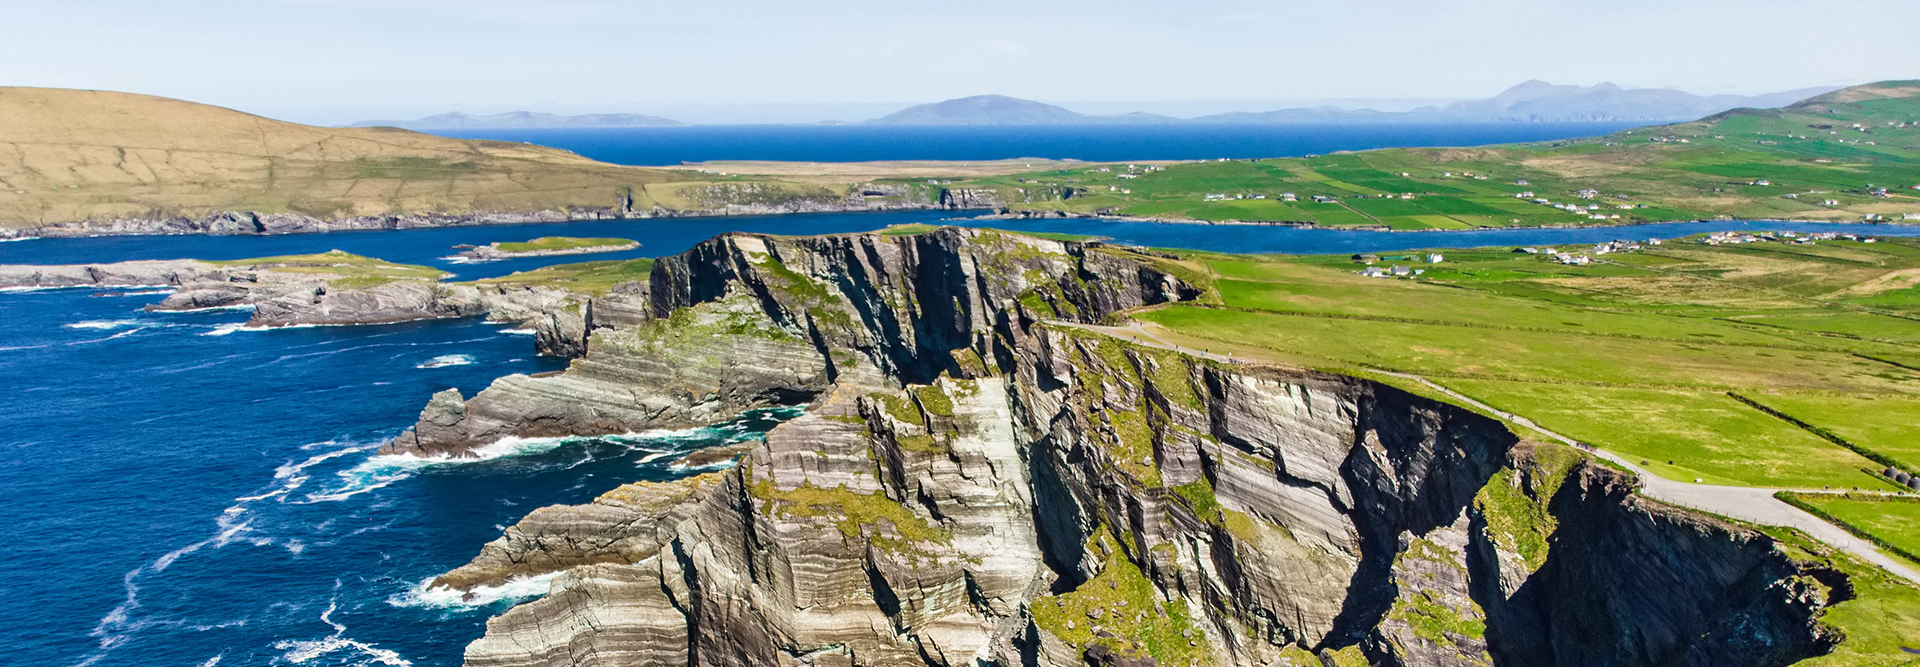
(1434, 258)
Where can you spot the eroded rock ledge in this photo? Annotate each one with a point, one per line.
(342, 289)
(970, 486)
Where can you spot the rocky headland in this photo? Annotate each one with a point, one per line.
(338, 288)
(706, 201)
(972, 485)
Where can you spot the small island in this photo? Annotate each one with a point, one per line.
(544, 246)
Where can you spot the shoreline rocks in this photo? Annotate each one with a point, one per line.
(562, 320)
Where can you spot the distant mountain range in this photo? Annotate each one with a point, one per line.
(1003, 110)
(1533, 101)
(522, 120)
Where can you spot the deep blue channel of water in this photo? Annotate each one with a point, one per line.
(1106, 143)
(181, 492)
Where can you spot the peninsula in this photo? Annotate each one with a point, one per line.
(1054, 451)
(85, 163)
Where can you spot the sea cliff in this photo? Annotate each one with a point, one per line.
(973, 484)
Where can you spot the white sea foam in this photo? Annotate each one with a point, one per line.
(446, 360)
(20, 238)
(425, 594)
(104, 324)
(520, 332)
(300, 652)
(379, 471)
(225, 329)
(36, 288)
(157, 292)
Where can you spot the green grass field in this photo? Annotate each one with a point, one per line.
(1889, 425)
(583, 277)
(1682, 435)
(1896, 521)
(1634, 353)
(352, 271)
(1684, 171)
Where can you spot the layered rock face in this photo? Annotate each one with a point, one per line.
(973, 486)
(748, 321)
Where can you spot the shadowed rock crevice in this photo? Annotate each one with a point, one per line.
(970, 486)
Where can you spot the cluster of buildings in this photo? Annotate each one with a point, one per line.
(1581, 259)
(1797, 238)
(1592, 211)
(1396, 270)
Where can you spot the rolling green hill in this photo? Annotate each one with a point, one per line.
(77, 155)
(1820, 159)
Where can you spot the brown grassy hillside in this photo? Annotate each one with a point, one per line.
(68, 155)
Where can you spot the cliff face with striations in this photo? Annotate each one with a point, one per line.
(973, 486)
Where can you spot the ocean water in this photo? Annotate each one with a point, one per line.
(1107, 143)
(183, 492)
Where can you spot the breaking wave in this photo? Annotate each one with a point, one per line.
(425, 594)
(121, 623)
(299, 652)
(446, 360)
(105, 324)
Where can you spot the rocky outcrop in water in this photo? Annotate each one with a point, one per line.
(493, 252)
(317, 295)
(973, 486)
(154, 273)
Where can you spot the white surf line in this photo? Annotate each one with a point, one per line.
(1752, 504)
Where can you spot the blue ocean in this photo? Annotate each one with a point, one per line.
(186, 493)
(658, 146)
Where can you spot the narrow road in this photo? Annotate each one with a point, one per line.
(1750, 504)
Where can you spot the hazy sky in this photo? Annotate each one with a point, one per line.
(341, 60)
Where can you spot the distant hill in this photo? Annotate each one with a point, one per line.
(522, 120)
(1538, 101)
(1542, 101)
(1840, 156)
(1533, 101)
(1003, 110)
(75, 155)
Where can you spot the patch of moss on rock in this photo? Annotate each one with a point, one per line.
(1514, 502)
(885, 523)
(1121, 609)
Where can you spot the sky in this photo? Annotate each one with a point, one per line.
(338, 61)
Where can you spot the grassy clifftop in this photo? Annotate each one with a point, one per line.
(71, 155)
(1820, 159)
